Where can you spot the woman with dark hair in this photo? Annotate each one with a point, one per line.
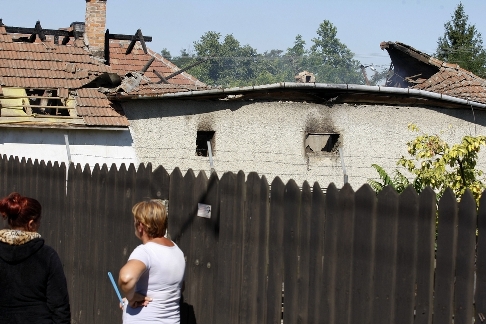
(152, 279)
(33, 287)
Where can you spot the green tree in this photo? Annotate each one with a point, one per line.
(435, 163)
(297, 57)
(332, 61)
(166, 54)
(230, 63)
(462, 44)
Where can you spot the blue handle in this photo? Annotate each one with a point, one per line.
(116, 288)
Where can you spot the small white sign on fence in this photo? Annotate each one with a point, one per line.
(204, 210)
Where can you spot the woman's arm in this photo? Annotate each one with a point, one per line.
(129, 275)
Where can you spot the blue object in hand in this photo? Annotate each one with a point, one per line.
(115, 286)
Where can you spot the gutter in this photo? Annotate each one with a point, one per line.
(304, 86)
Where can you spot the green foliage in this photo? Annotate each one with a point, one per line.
(399, 182)
(462, 44)
(331, 60)
(435, 163)
(233, 64)
(165, 53)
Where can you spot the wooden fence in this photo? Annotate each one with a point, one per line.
(340, 257)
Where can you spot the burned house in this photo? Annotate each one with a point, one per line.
(52, 108)
(308, 131)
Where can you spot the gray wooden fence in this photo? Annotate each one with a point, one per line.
(289, 253)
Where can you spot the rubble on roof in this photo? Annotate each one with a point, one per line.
(417, 70)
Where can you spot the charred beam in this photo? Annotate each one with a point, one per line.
(190, 66)
(138, 37)
(127, 37)
(22, 30)
(161, 77)
(147, 65)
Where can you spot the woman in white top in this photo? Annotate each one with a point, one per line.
(152, 279)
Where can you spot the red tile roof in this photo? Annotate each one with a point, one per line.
(421, 71)
(45, 65)
(122, 64)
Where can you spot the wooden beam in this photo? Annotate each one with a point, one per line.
(138, 37)
(147, 65)
(161, 77)
(190, 66)
(128, 37)
(27, 31)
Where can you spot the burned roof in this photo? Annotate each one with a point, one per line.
(417, 70)
(42, 77)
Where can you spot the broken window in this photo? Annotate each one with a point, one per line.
(32, 102)
(202, 142)
(320, 142)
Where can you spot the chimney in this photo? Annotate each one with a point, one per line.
(95, 27)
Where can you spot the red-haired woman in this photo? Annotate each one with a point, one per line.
(32, 282)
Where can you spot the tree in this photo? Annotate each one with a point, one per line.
(435, 163)
(462, 44)
(332, 61)
(166, 53)
(233, 64)
(229, 64)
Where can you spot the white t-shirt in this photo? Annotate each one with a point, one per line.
(162, 281)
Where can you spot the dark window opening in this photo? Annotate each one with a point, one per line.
(202, 142)
(44, 102)
(307, 78)
(315, 142)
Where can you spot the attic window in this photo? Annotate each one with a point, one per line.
(320, 142)
(45, 102)
(202, 142)
(33, 102)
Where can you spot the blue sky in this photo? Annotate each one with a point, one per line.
(263, 24)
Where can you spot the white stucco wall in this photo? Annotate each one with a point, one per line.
(268, 137)
(86, 146)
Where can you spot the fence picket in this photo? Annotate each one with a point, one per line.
(363, 249)
(404, 297)
(328, 286)
(480, 294)
(317, 259)
(464, 283)
(229, 253)
(385, 257)
(446, 256)
(275, 253)
(425, 257)
(252, 277)
(304, 251)
(292, 209)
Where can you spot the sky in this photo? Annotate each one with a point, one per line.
(262, 24)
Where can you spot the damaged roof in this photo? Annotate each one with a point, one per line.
(417, 70)
(68, 72)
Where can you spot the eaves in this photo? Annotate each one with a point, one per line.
(316, 92)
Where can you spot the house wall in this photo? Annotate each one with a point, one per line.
(86, 146)
(268, 137)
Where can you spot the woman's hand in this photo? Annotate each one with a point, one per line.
(139, 300)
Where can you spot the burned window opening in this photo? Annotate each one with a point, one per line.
(321, 142)
(44, 102)
(202, 142)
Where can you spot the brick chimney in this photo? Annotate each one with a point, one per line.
(95, 26)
